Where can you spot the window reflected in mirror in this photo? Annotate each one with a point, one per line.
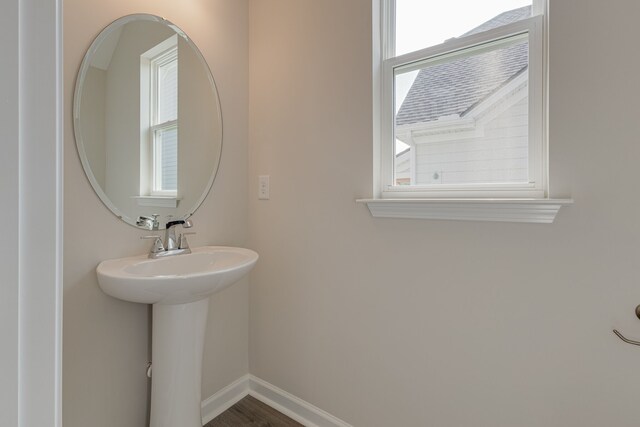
(159, 97)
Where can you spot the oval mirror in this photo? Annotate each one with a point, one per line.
(147, 121)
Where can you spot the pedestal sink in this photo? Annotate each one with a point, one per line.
(179, 288)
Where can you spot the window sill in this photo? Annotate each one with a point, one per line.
(541, 211)
(158, 201)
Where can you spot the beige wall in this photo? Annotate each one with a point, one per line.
(438, 323)
(106, 340)
(94, 105)
(10, 193)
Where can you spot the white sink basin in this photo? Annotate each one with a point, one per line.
(176, 279)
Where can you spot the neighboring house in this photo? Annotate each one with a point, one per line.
(466, 120)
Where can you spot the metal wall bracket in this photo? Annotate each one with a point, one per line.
(628, 341)
(622, 337)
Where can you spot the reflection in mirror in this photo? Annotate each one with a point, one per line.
(147, 120)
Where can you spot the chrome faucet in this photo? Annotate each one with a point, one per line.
(172, 245)
(170, 240)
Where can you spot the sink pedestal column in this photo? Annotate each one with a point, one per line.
(177, 346)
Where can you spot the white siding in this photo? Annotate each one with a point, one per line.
(403, 168)
(499, 155)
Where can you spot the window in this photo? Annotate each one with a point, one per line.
(159, 118)
(463, 87)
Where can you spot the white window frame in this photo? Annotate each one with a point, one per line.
(150, 156)
(537, 188)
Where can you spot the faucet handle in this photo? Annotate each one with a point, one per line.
(157, 244)
(183, 240)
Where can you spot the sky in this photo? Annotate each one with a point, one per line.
(425, 23)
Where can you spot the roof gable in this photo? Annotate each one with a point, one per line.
(453, 88)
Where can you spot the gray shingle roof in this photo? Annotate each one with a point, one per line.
(456, 86)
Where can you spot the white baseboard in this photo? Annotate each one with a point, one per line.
(225, 398)
(290, 405)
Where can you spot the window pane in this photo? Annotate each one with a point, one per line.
(168, 92)
(464, 117)
(423, 23)
(166, 151)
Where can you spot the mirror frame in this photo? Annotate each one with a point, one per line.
(80, 77)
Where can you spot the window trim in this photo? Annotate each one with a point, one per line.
(478, 208)
(538, 211)
(538, 152)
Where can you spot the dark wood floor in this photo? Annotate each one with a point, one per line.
(250, 412)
